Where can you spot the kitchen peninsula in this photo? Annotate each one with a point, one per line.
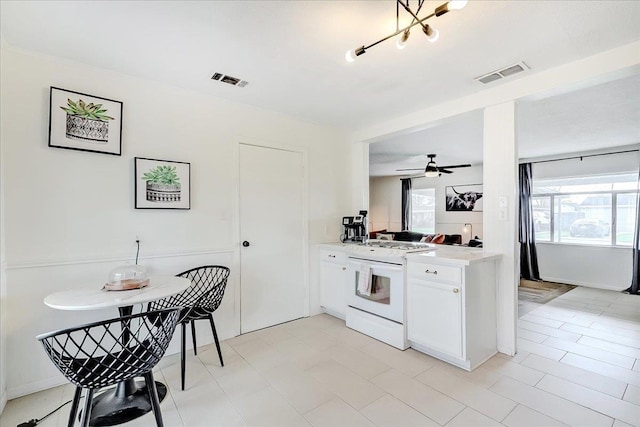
(445, 297)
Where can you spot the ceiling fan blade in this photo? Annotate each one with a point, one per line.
(454, 166)
(441, 170)
(412, 169)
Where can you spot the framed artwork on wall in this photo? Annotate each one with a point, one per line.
(78, 121)
(464, 198)
(162, 184)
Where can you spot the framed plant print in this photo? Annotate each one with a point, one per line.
(78, 121)
(464, 198)
(162, 184)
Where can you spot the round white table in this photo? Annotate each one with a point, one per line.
(129, 399)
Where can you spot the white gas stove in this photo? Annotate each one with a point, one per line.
(376, 292)
(386, 250)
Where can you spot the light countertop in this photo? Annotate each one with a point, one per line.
(443, 254)
(454, 255)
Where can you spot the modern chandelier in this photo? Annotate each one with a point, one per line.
(431, 33)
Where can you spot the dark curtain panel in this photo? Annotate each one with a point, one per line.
(635, 277)
(526, 235)
(406, 204)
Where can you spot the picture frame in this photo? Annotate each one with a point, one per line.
(83, 122)
(162, 184)
(463, 198)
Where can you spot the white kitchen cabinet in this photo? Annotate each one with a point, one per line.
(333, 281)
(435, 316)
(451, 309)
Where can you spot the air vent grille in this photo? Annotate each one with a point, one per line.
(233, 81)
(502, 73)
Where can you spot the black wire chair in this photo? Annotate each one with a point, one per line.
(105, 353)
(199, 301)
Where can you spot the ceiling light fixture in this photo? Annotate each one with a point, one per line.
(431, 171)
(431, 33)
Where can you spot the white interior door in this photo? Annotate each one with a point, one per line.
(272, 240)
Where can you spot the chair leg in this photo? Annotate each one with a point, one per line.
(193, 337)
(86, 410)
(183, 352)
(215, 337)
(74, 406)
(153, 398)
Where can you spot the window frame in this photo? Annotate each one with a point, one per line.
(613, 224)
(430, 189)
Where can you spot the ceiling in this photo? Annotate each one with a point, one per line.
(591, 118)
(292, 52)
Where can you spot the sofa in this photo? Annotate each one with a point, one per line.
(412, 236)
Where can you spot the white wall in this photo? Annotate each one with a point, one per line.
(3, 263)
(69, 215)
(385, 194)
(593, 266)
(385, 203)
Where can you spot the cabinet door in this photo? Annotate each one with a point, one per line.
(434, 316)
(333, 295)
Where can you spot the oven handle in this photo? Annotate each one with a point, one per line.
(356, 263)
(374, 262)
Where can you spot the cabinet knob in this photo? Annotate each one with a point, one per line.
(431, 272)
(344, 268)
(332, 256)
(456, 290)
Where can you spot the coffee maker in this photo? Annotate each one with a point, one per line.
(355, 227)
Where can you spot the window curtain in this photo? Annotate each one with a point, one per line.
(526, 235)
(406, 204)
(635, 276)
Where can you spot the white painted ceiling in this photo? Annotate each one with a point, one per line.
(292, 52)
(592, 118)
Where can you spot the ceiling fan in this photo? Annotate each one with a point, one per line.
(432, 170)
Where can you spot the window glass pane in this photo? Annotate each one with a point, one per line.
(625, 218)
(542, 218)
(583, 219)
(423, 210)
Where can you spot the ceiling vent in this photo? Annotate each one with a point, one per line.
(502, 73)
(233, 81)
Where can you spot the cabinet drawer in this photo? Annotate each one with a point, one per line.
(433, 272)
(332, 256)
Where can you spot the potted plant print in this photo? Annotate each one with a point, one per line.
(87, 122)
(163, 184)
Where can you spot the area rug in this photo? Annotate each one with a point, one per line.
(533, 294)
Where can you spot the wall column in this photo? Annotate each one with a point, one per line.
(500, 178)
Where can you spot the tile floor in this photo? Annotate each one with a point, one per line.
(578, 365)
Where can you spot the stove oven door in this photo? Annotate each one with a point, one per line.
(383, 295)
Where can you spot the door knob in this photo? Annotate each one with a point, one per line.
(246, 244)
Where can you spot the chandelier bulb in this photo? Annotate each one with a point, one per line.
(350, 56)
(432, 33)
(457, 4)
(435, 35)
(401, 43)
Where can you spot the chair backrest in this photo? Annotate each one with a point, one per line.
(203, 296)
(104, 353)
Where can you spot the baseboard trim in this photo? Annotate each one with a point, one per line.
(506, 350)
(585, 284)
(3, 401)
(35, 386)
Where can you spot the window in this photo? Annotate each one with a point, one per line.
(594, 210)
(423, 210)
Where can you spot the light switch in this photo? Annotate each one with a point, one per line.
(502, 201)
